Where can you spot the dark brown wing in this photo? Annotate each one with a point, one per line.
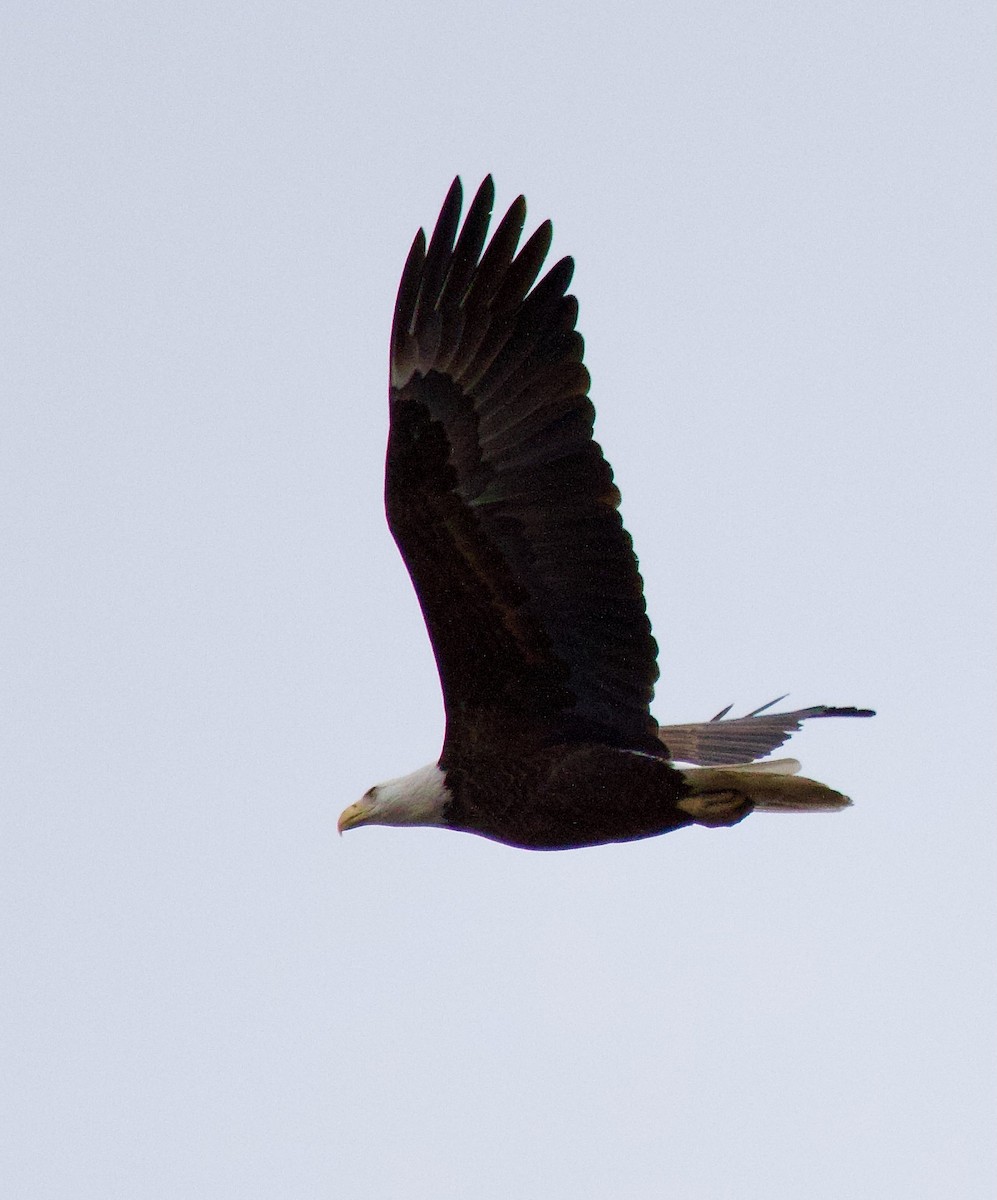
(502, 505)
(743, 739)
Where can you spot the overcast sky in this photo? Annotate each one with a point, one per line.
(782, 219)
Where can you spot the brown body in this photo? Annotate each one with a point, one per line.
(569, 796)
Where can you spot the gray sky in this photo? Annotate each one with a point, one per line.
(785, 268)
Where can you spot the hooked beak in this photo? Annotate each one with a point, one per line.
(355, 815)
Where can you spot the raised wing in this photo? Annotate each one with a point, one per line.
(722, 742)
(502, 505)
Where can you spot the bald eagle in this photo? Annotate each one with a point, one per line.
(506, 514)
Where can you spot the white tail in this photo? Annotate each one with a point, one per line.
(724, 795)
(768, 766)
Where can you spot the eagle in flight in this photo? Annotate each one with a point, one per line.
(506, 514)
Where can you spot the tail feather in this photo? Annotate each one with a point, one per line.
(725, 795)
(767, 766)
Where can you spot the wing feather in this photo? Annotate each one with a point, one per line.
(502, 505)
(742, 739)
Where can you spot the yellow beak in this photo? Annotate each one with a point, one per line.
(355, 815)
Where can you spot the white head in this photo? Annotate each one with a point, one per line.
(415, 799)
